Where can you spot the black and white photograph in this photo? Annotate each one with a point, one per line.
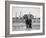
(25, 18)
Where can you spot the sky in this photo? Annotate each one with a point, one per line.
(25, 10)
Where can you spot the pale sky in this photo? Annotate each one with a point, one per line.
(32, 10)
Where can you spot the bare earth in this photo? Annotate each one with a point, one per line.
(22, 26)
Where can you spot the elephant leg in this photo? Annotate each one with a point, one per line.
(30, 25)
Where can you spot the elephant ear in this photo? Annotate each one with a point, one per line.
(32, 16)
(25, 16)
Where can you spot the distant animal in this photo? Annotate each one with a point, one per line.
(28, 21)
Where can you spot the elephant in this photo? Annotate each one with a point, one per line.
(28, 21)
